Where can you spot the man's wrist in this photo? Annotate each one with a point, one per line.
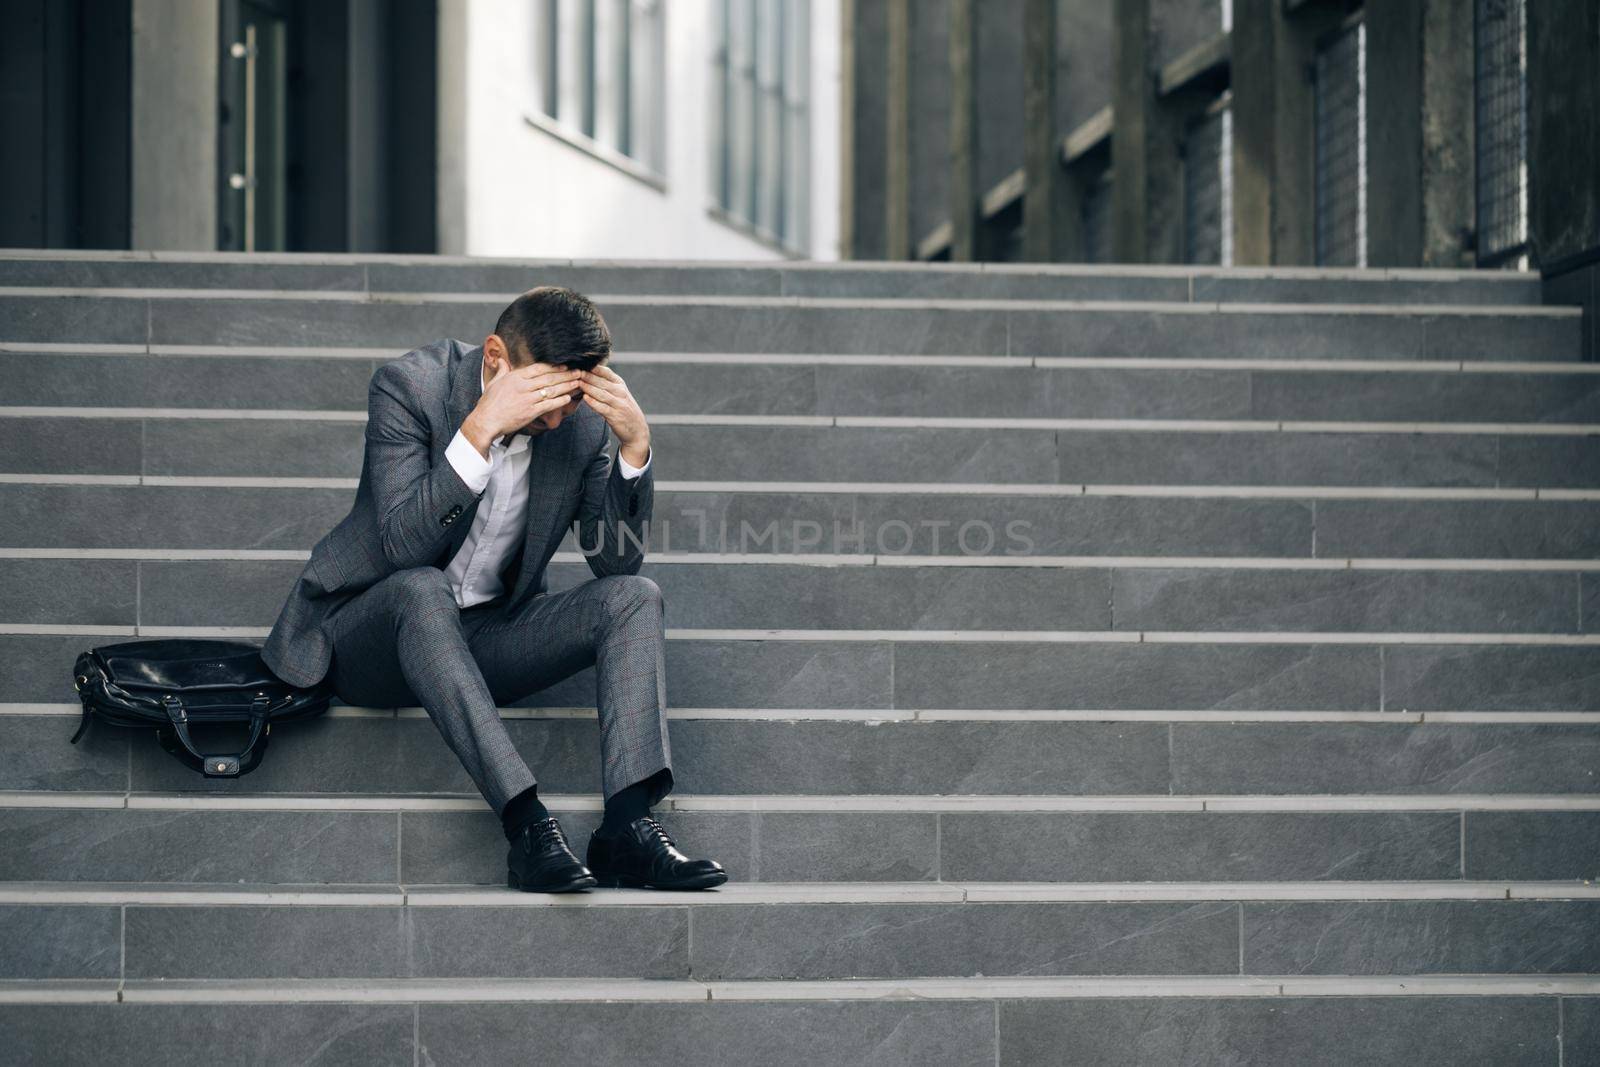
(636, 452)
(473, 429)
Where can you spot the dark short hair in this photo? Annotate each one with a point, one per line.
(554, 324)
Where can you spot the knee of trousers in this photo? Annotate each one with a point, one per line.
(424, 581)
(625, 594)
(421, 588)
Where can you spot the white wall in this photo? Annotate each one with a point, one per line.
(508, 188)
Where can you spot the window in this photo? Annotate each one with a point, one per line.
(760, 138)
(1208, 186)
(1097, 219)
(1500, 32)
(598, 75)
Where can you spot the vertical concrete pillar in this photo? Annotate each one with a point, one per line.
(1132, 108)
(1046, 202)
(1419, 133)
(964, 205)
(1274, 131)
(1449, 139)
(174, 125)
(847, 124)
(454, 153)
(897, 134)
(864, 98)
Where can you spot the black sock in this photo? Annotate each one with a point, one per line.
(625, 806)
(522, 809)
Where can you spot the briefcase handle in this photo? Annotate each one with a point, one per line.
(176, 739)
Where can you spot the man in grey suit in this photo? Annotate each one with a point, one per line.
(432, 591)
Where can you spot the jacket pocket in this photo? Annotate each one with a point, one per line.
(325, 565)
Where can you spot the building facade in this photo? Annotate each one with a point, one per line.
(640, 128)
(550, 128)
(1411, 133)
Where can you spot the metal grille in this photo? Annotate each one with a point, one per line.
(1341, 148)
(1097, 220)
(1206, 224)
(1501, 78)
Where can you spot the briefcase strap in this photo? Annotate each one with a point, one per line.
(176, 739)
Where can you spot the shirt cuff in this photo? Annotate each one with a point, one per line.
(628, 470)
(468, 462)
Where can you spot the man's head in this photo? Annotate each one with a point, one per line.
(548, 324)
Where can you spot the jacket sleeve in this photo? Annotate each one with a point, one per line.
(614, 515)
(417, 503)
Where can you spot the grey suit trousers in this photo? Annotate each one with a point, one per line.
(404, 642)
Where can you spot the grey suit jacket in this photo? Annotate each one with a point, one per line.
(413, 510)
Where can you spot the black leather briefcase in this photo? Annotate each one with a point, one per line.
(176, 684)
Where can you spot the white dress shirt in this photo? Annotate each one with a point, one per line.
(501, 519)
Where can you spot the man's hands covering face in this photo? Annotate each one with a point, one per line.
(514, 398)
(522, 396)
(605, 391)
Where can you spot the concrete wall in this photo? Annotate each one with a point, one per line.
(930, 116)
(1179, 25)
(174, 155)
(868, 28)
(1083, 61)
(508, 187)
(1564, 128)
(999, 90)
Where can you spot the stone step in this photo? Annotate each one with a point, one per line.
(356, 751)
(464, 935)
(670, 384)
(1050, 843)
(764, 593)
(1022, 669)
(290, 514)
(1315, 1021)
(813, 324)
(113, 441)
(377, 273)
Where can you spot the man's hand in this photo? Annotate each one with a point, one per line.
(606, 392)
(516, 397)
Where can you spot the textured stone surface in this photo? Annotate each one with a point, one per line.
(60, 942)
(91, 844)
(896, 940)
(1421, 937)
(200, 1035)
(1324, 1031)
(1199, 846)
(1425, 785)
(720, 1034)
(1533, 844)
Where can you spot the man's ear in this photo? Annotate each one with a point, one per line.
(494, 348)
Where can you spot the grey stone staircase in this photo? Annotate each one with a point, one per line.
(1107, 666)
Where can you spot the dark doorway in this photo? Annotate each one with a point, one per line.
(64, 122)
(326, 135)
(252, 123)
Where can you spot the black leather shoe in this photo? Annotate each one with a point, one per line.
(540, 861)
(641, 855)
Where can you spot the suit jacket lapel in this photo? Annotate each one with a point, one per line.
(549, 467)
(549, 464)
(466, 387)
